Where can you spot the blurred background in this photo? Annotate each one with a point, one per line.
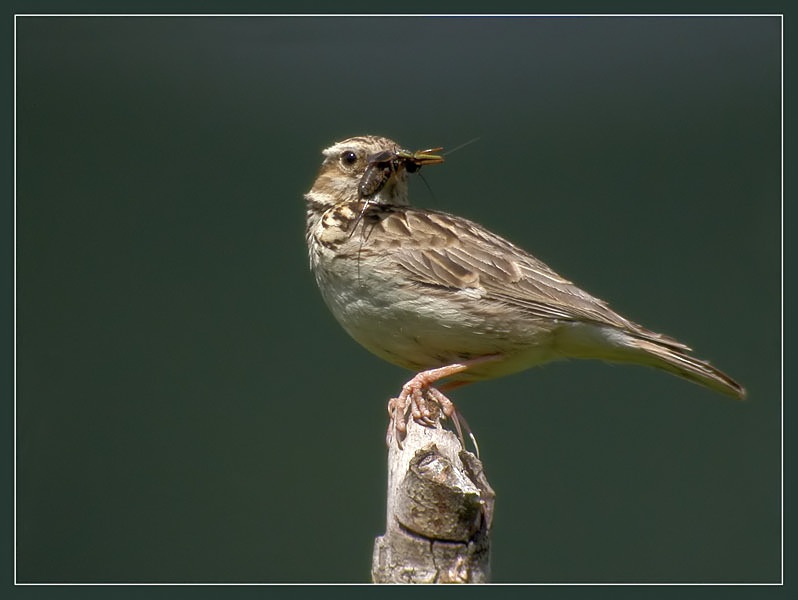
(189, 411)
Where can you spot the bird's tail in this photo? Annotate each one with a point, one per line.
(664, 353)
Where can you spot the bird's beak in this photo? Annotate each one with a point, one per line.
(421, 157)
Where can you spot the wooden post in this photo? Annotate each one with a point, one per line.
(439, 513)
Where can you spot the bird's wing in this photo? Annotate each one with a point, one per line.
(452, 252)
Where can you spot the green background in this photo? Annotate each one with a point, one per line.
(187, 408)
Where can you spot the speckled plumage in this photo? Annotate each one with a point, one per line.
(425, 289)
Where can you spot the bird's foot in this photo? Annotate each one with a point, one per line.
(427, 404)
(424, 404)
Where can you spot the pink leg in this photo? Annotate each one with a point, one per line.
(413, 394)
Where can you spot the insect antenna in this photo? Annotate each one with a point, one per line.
(429, 189)
(453, 150)
(364, 236)
(366, 204)
(463, 145)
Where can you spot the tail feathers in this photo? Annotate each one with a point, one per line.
(671, 357)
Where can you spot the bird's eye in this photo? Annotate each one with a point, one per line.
(348, 158)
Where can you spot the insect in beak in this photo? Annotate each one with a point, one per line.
(383, 164)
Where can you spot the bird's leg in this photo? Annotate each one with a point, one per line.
(412, 397)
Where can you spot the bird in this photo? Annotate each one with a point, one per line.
(446, 298)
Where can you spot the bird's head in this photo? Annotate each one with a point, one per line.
(369, 168)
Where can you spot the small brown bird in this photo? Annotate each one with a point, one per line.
(445, 297)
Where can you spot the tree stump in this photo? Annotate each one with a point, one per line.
(439, 512)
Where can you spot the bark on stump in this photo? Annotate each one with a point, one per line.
(439, 512)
